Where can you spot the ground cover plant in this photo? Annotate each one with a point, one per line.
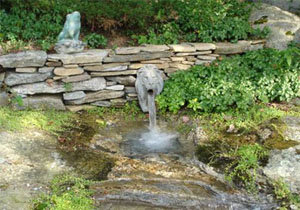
(38, 22)
(238, 82)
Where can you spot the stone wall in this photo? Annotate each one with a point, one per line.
(98, 77)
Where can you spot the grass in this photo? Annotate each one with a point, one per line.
(68, 192)
(50, 120)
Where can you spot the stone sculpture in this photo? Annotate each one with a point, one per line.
(68, 39)
(149, 81)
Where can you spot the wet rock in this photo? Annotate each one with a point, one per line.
(285, 164)
(94, 84)
(44, 102)
(281, 23)
(13, 78)
(23, 59)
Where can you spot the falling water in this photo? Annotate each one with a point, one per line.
(152, 110)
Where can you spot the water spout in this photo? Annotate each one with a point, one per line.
(152, 110)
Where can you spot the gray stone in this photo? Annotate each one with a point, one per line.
(26, 70)
(4, 99)
(178, 59)
(44, 102)
(129, 89)
(194, 53)
(90, 56)
(201, 62)
(76, 78)
(127, 80)
(128, 50)
(23, 59)
(118, 102)
(54, 64)
(232, 48)
(156, 61)
(148, 78)
(74, 95)
(94, 84)
(295, 101)
(285, 164)
(292, 131)
(182, 48)
(256, 47)
(203, 46)
(154, 48)
(102, 103)
(79, 108)
(46, 69)
(2, 76)
(289, 5)
(178, 65)
(68, 39)
(13, 78)
(108, 67)
(113, 73)
(205, 57)
(71, 66)
(98, 96)
(281, 23)
(136, 57)
(109, 83)
(131, 98)
(115, 87)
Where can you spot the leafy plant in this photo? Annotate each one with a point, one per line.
(236, 82)
(94, 40)
(68, 87)
(284, 195)
(244, 167)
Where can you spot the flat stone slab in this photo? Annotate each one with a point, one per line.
(154, 48)
(44, 102)
(128, 50)
(98, 96)
(45, 69)
(126, 80)
(115, 87)
(90, 56)
(4, 99)
(203, 46)
(77, 78)
(229, 48)
(182, 48)
(26, 69)
(74, 95)
(108, 67)
(94, 84)
(23, 59)
(14, 78)
(102, 103)
(114, 73)
(61, 71)
(136, 57)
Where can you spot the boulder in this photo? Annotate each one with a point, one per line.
(97, 96)
(23, 59)
(282, 24)
(288, 5)
(14, 78)
(90, 56)
(94, 84)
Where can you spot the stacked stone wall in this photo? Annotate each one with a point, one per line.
(98, 77)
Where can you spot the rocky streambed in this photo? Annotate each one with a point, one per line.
(135, 179)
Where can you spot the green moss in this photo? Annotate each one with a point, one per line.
(49, 120)
(67, 192)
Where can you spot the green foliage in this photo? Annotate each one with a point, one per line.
(67, 192)
(51, 121)
(244, 167)
(238, 82)
(94, 40)
(284, 195)
(68, 87)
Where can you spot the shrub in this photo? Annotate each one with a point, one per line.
(94, 40)
(238, 82)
